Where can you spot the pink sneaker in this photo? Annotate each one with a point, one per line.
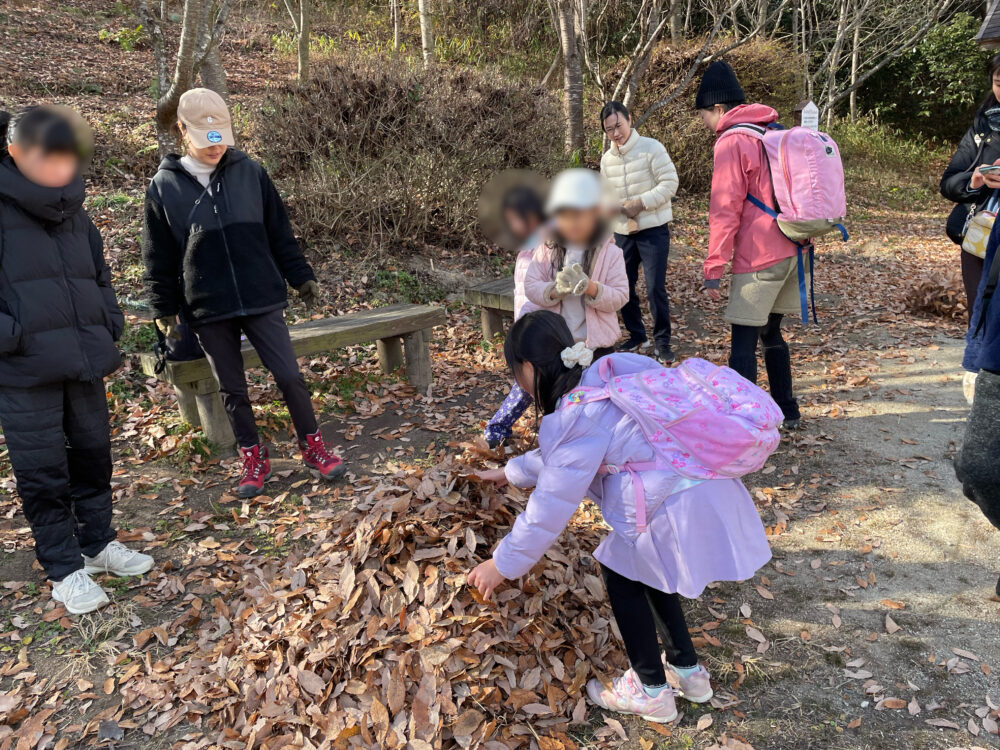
(626, 696)
(696, 687)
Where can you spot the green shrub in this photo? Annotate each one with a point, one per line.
(381, 155)
(934, 89)
(127, 38)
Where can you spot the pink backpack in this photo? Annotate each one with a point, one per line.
(808, 179)
(702, 420)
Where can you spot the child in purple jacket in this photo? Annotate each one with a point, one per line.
(697, 531)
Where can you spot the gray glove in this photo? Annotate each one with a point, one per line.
(572, 280)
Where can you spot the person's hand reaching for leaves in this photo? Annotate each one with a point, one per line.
(485, 578)
(497, 476)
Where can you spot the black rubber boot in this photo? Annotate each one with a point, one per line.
(778, 363)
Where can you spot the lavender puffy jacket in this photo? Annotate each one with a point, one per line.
(698, 531)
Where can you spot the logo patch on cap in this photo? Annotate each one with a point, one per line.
(214, 136)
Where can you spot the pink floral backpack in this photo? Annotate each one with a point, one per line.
(702, 420)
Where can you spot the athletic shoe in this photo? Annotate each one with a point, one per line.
(256, 471)
(665, 354)
(633, 344)
(626, 696)
(78, 593)
(318, 457)
(791, 424)
(118, 560)
(696, 687)
(495, 442)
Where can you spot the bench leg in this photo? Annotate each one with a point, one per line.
(390, 354)
(214, 420)
(187, 403)
(492, 321)
(418, 359)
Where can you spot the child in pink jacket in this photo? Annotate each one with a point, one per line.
(524, 219)
(580, 272)
(696, 532)
(764, 286)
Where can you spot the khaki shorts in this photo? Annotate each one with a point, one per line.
(754, 296)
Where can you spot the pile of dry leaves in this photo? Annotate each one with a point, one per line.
(372, 638)
(937, 293)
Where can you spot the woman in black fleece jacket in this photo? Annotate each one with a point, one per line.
(218, 249)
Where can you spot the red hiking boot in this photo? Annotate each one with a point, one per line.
(317, 456)
(256, 471)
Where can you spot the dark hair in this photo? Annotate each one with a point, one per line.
(613, 108)
(539, 338)
(991, 70)
(40, 127)
(524, 202)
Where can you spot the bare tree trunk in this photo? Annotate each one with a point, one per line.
(676, 35)
(213, 74)
(304, 31)
(299, 12)
(854, 72)
(572, 76)
(394, 12)
(838, 45)
(203, 23)
(426, 30)
(552, 68)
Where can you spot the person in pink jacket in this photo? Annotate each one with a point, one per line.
(764, 285)
(696, 532)
(580, 272)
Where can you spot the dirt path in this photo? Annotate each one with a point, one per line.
(883, 572)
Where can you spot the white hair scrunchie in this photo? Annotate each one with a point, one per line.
(578, 354)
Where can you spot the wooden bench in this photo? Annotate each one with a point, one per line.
(496, 302)
(402, 334)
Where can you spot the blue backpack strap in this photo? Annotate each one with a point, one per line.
(803, 295)
(843, 232)
(762, 206)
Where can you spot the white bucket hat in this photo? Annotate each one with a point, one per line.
(575, 188)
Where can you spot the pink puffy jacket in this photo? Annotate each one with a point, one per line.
(738, 230)
(522, 305)
(602, 311)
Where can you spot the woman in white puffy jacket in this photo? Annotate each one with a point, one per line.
(644, 181)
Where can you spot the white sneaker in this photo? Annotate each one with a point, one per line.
(78, 593)
(118, 560)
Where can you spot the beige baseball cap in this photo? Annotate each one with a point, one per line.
(206, 118)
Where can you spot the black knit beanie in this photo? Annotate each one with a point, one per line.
(719, 85)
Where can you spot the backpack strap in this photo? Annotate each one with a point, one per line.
(638, 489)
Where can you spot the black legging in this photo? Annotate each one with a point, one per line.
(972, 272)
(640, 611)
(777, 360)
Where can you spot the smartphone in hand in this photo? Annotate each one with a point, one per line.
(994, 169)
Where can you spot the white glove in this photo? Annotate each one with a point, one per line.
(572, 280)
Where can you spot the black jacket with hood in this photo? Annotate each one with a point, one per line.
(979, 145)
(220, 253)
(59, 317)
